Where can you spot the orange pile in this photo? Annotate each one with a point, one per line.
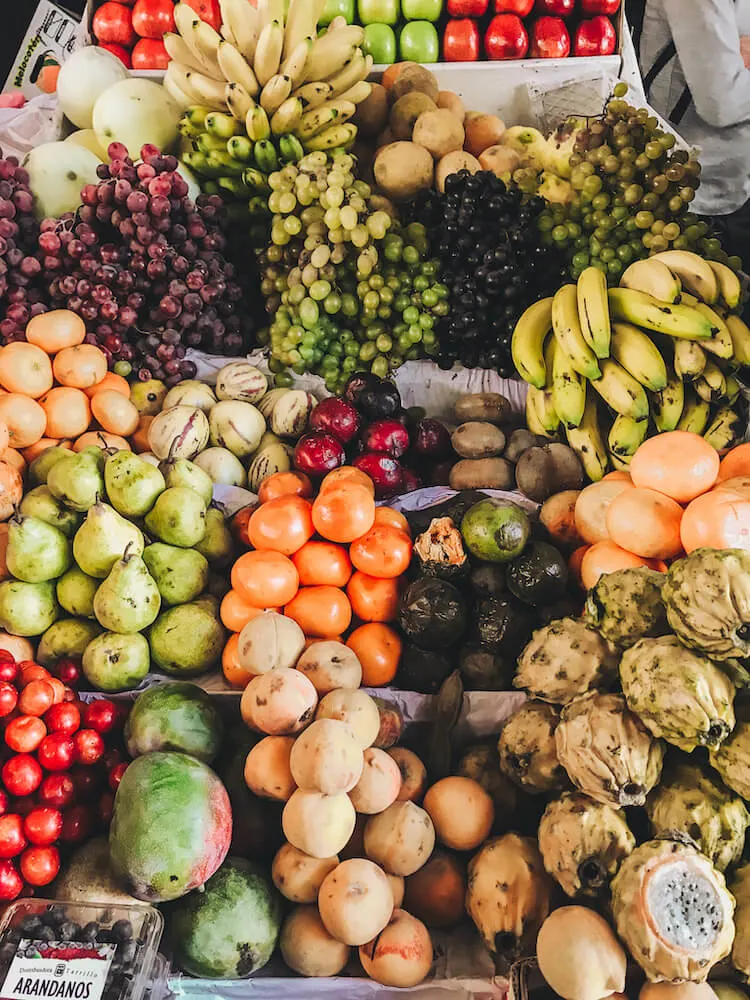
(677, 496)
(328, 563)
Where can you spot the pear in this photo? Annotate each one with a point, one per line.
(132, 485)
(147, 397)
(186, 640)
(27, 608)
(40, 503)
(78, 480)
(67, 637)
(183, 472)
(75, 592)
(40, 467)
(128, 600)
(36, 551)
(114, 662)
(180, 574)
(216, 545)
(102, 539)
(209, 603)
(178, 517)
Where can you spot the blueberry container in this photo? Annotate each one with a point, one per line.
(79, 951)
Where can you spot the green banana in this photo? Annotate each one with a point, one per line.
(568, 333)
(638, 355)
(586, 440)
(619, 390)
(740, 333)
(290, 149)
(645, 311)
(724, 429)
(694, 415)
(733, 389)
(257, 180)
(667, 405)
(195, 118)
(527, 342)
(265, 156)
(257, 124)
(222, 161)
(206, 143)
(235, 186)
(240, 148)
(222, 126)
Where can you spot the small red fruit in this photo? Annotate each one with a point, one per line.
(63, 718)
(40, 865)
(22, 774)
(87, 781)
(101, 715)
(152, 18)
(68, 671)
(89, 746)
(57, 790)
(25, 733)
(115, 776)
(338, 417)
(318, 453)
(12, 839)
(37, 697)
(4, 802)
(56, 752)
(106, 807)
(8, 698)
(43, 826)
(8, 668)
(389, 436)
(77, 825)
(120, 51)
(11, 883)
(385, 472)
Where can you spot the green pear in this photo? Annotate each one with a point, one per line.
(102, 539)
(216, 545)
(132, 485)
(36, 551)
(183, 472)
(27, 608)
(39, 469)
(40, 503)
(115, 662)
(67, 637)
(75, 592)
(78, 480)
(128, 600)
(178, 517)
(147, 397)
(180, 574)
(186, 640)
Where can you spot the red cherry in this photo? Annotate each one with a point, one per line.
(11, 883)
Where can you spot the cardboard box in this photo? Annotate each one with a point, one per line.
(51, 37)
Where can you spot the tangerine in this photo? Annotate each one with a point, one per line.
(378, 648)
(68, 412)
(717, 520)
(387, 515)
(735, 463)
(606, 557)
(383, 551)
(265, 579)
(101, 439)
(110, 381)
(234, 673)
(235, 612)
(320, 611)
(240, 522)
(344, 512)
(54, 330)
(646, 523)
(373, 599)
(347, 474)
(281, 525)
(575, 561)
(680, 464)
(24, 417)
(80, 367)
(114, 412)
(592, 506)
(26, 369)
(285, 484)
(321, 564)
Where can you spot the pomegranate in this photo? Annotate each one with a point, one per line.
(385, 472)
(318, 453)
(431, 440)
(389, 436)
(337, 417)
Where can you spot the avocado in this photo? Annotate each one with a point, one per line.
(432, 613)
(539, 575)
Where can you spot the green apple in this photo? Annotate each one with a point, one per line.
(338, 8)
(380, 43)
(379, 11)
(419, 42)
(422, 10)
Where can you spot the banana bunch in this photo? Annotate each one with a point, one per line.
(612, 366)
(271, 71)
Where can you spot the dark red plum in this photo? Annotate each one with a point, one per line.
(357, 385)
(385, 472)
(431, 440)
(318, 453)
(337, 417)
(380, 401)
(411, 481)
(389, 436)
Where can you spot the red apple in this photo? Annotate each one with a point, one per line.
(336, 416)
(506, 38)
(432, 440)
(461, 41)
(549, 39)
(595, 37)
(389, 436)
(590, 7)
(521, 7)
(318, 453)
(557, 8)
(467, 8)
(385, 472)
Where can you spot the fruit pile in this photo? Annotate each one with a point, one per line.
(60, 768)
(644, 358)
(133, 31)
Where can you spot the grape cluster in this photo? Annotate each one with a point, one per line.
(19, 268)
(630, 195)
(346, 289)
(144, 267)
(493, 264)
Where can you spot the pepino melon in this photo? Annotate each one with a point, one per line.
(229, 930)
(171, 826)
(177, 716)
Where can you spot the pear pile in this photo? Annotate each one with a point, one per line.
(111, 560)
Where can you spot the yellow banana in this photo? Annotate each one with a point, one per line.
(208, 42)
(667, 405)
(654, 278)
(740, 333)
(527, 342)
(720, 344)
(236, 68)
(257, 125)
(244, 25)
(695, 414)
(275, 92)
(199, 88)
(620, 391)
(621, 463)
(268, 52)
(733, 389)
(239, 102)
(271, 10)
(293, 65)
(539, 401)
(693, 271)
(179, 50)
(332, 51)
(568, 387)
(302, 22)
(356, 69)
(593, 310)
(568, 333)
(356, 94)
(185, 20)
(730, 288)
(639, 355)
(332, 112)
(645, 311)
(313, 95)
(181, 99)
(288, 117)
(626, 436)
(335, 137)
(724, 429)
(711, 385)
(689, 359)
(586, 440)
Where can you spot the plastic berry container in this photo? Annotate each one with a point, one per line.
(61, 950)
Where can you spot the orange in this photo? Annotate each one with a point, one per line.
(284, 484)
(234, 673)
(282, 525)
(36, 449)
(4, 437)
(738, 484)
(575, 561)
(101, 439)
(592, 505)
(344, 512)
(373, 600)
(383, 551)
(68, 412)
(347, 474)
(646, 523)
(80, 367)
(321, 611)
(378, 649)
(110, 381)
(235, 612)
(619, 475)
(139, 437)
(735, 463)
(52, 331)
(26, 369)
(606, 557)
(717, 520)
(387, 515)
(114, 412)
(265, 579)
(680, 464)
(322, 564)
(25, 419)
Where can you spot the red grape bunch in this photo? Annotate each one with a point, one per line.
(19, 296)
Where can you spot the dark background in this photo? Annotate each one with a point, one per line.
(15, 20)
